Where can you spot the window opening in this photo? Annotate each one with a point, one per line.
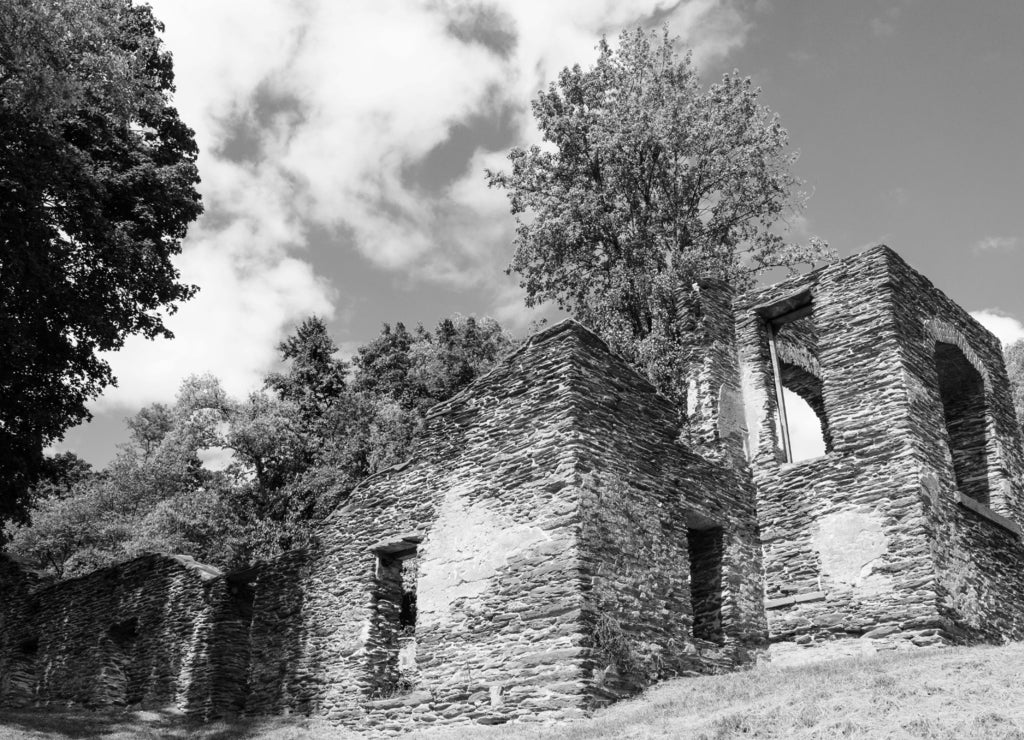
(29, 646)
(802, 428)
(962, 390)
(395, 604)
(124, 633)
(705, 551)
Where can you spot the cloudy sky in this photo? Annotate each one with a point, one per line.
(343, 147)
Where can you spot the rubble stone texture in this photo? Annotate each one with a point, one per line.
(562, 536)
(906, 532)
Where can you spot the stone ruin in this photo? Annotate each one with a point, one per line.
(552, 545)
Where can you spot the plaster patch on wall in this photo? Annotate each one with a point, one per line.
(930, 486)
(691, 398)
(731, 413)
(850, 544)
(756, 405)
(467, 547)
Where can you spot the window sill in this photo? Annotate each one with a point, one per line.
(986, 513)
(790, 600)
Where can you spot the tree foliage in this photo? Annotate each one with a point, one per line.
(296, 450)
(647, 183)
(156, 495)
(97, 186)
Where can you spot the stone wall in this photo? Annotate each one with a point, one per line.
(563, 536)
(864, 541)
(546, 511)
(278, 677)
(974, 525)
(147, 632)
(646, 501)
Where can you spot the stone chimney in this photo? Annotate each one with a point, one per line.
(714, 404)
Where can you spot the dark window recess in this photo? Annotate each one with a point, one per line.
(407, 615)
(29, 646)
(243, 595)
(123, 633)
(962, 391)
(705, 550)
(802, 426)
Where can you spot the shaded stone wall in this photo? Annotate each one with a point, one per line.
(280, 676)
(136, 633)
(643, 493)
(977, 551)
(215, 679)
(19, 647)
(850, 539)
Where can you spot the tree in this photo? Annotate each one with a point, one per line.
(1015, 369)
(97, 187)
(155, 496)
(648, 184)
(315, 377)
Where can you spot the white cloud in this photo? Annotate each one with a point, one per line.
(1006, 328)
(995, 244)
(337, 101)
(231, 329)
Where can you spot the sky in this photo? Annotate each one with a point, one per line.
(342, 149)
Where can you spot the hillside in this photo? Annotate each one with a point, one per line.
(957, 693)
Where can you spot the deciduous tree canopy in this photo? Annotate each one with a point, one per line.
(289, 454)
(97, 186)
(648, 182)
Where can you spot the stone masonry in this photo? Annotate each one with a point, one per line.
(157, 630)
(907, 531)
(554, 523)
(562, 536)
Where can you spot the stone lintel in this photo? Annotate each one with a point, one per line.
(980, 509)
(797, 599)
(785, 304)
(401, 543)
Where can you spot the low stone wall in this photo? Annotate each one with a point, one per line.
(146, 632)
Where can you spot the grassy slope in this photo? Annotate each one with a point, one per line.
(957, 693)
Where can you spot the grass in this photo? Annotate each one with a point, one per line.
(960, 693)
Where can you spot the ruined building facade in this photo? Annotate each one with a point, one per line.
(552, 545)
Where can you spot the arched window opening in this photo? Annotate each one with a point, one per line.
(806, 428)
(962, 391)
(802, 429)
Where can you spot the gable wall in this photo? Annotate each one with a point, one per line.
(491, 493)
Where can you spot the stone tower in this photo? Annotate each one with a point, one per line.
(907, 529)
